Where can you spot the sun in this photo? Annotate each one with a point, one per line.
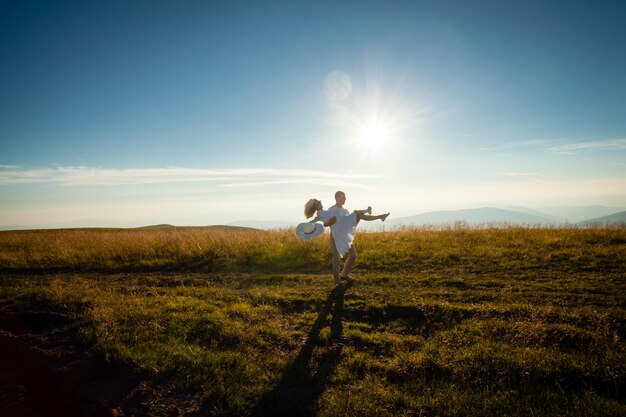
(373, 135)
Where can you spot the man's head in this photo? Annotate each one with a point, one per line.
(340, 198)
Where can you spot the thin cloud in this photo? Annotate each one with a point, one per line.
(600, 145)
(537, 143)
(82, 175)
(525, 175)
(322, 182)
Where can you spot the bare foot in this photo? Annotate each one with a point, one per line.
(369, 210)
(384, 216)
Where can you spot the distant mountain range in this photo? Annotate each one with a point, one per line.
(511, 215)
(474, 216)
(553, 216)
(543, 215)
(576, 214)
(617, 218)
(521, 216)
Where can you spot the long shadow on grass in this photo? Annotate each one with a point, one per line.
(307, 376)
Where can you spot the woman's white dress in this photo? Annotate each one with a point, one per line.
(343, 229)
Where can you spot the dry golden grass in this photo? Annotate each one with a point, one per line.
(240, 249)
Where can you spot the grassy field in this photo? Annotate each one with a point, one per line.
(454, 322)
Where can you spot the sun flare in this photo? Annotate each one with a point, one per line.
(373, 134)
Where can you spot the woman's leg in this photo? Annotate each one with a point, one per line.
(369, 218)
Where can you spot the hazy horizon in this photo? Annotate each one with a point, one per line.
(209, 113)
(559, 215)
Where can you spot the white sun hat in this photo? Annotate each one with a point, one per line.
(308, 230)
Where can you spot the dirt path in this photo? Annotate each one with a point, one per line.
(22, 372)
(43, 374)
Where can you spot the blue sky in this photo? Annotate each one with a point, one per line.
(212, 112)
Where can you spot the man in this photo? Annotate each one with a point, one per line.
(339, 211)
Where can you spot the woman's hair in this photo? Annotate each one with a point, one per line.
(309, 208)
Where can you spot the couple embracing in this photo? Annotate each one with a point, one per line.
(342, 230)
